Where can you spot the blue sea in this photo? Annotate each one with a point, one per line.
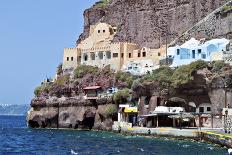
(16, 138)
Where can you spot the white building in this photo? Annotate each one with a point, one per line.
(194, 50)
(139, 67)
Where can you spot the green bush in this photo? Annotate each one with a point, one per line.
(136, 83)
(125, 77)
(59, 70)
(218, 65)
(44, 88)
(162, 75)
(227, 8)
(111, 110)
(122, 96)
(184, 74)
(103, 3)
(62, 80)
(82, 70)
(38, 91)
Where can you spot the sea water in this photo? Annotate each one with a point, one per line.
(16, 138)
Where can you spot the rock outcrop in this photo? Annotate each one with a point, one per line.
(68, 112)
(150, 22)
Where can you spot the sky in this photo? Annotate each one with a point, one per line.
(33, 34)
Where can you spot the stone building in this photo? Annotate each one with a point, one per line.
(99, 50)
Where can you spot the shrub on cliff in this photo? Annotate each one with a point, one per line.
(111, 110)
(82, 70)
(103, 3)
(226, 9)
(62, 80)
(38, 91)
(218, 65)
(136, 83)
(162, 75)
(124, 77)
(59, 70)
(122, 96)
(184, 74)
(43, 89)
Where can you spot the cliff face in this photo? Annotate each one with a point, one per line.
(69, 112)
(148, 22)
(216, 24)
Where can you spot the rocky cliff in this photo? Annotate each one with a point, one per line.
(69, 112)
(61, 104)
(150, 22)
(216, 24)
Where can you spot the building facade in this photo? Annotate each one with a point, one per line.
(99, 50)
(194, 50)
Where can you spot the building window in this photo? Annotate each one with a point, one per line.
(122, 55)
(139, 54)
(99, 31)
(144, 54)
(71, 58)
(115, 55)
(203, 56)
(67, 58)
(86, 57)
(108, 55)
(201, 109)
(104, 31)
(93, 56)
(193, 54)
(100, 55)
(159, 54)
(115, 30)
(178, 52)
(208, 109)
(130, 55)
(199, 51)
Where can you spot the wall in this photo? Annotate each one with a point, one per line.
(71, 53)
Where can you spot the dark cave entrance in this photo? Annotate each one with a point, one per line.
(89, 122)
(33, 124)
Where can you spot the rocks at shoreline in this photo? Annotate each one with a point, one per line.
(67, 112)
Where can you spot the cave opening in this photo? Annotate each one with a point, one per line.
(33, 124)
(89, 122)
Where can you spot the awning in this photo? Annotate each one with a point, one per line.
(92, 88)
(131, 110)
(148, 115)
(183, 116)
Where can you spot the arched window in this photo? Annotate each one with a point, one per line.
(85, 57)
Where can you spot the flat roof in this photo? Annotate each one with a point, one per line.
(92, 87)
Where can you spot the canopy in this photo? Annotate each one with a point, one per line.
(131, 110)
(183, 116)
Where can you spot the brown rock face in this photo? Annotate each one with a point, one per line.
(68, 113)
(148, 22)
